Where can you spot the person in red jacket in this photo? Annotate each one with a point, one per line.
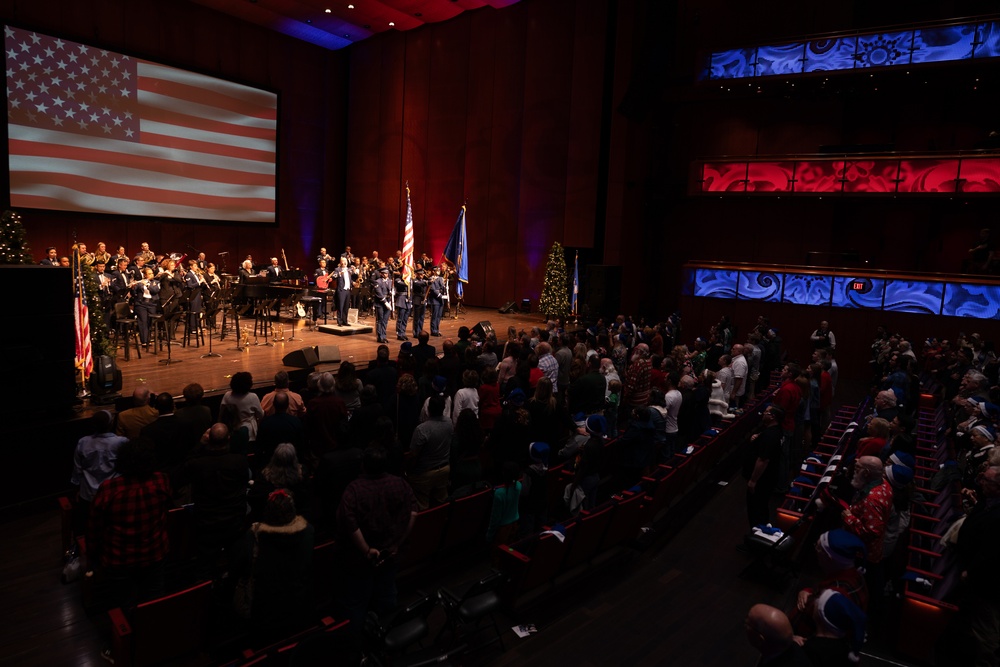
(787, 398)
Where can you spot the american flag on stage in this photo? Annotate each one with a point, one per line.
(84, 352)
(94, 130)
(576, 282)
(408, 239)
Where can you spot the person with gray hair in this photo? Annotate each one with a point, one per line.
(885, 405)
(868, 515)
(296, 406)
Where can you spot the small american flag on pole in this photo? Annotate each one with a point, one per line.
(81, 314)
(95, 130)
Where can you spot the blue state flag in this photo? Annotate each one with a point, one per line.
(454, 252)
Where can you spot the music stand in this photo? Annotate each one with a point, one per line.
(169, 320)
(210, 353)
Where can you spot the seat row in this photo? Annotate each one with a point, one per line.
(931, 569)
(557, 554)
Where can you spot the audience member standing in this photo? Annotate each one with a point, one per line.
(375, 516)
(822, 338)
(431, 448)
(127, 538)
(93, 462)
(762, 464)
(131, 421)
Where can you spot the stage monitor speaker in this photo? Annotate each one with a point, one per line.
(483, 330)
(352, 316)
(106, 380)
(327, 354)
(602, 291)
(525, 305)
(508, 307)
(302, 358)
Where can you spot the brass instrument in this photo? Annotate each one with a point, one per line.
(279, 337)
(245, 337)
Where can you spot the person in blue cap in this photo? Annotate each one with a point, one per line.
(840, 631)
(840, 555)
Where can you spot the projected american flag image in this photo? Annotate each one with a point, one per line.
(94, 130)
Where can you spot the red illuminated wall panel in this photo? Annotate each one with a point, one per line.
(870, 175)
(724, 177)
(980, 175)
(817, 176)
(770, 176)
(928, 175)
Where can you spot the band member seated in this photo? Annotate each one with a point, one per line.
(104, 289)
(51, 257)
(196, 283)
(274, 271)
(86, 258)
(202, 262)
(324, 256)
(121, 254)
(246, 271)
(348, 255)
(343, 278)
(146, 254)
(322, 278)
(145, 303)
(320, 272)
(121, 280)
(102, 253)
(383, 304)
(138, 268)
(171, 292)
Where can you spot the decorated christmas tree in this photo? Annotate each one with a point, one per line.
(555, 293)
(13, 241)
(100, 335)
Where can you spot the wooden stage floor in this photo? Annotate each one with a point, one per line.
(264, 361)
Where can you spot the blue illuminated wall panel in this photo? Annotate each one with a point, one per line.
(780, 59)
(760, 286)
(807, 290)
(927, 44)
(913, 296)
(844, 296)
(826, 55)
(979, 301)
(924, 297)
(987, 40)
(943, 43)
(715, 283)
(884, 49)
(733, 64)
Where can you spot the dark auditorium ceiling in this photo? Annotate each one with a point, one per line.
(335, 24)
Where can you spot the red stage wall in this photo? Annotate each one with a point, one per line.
(499, 108)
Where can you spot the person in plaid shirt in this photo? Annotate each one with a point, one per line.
(128, 526)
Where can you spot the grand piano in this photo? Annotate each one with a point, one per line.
(256, 290)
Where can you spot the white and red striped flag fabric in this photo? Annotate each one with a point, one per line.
(98, 131)
(81, 314)
(408, 240)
